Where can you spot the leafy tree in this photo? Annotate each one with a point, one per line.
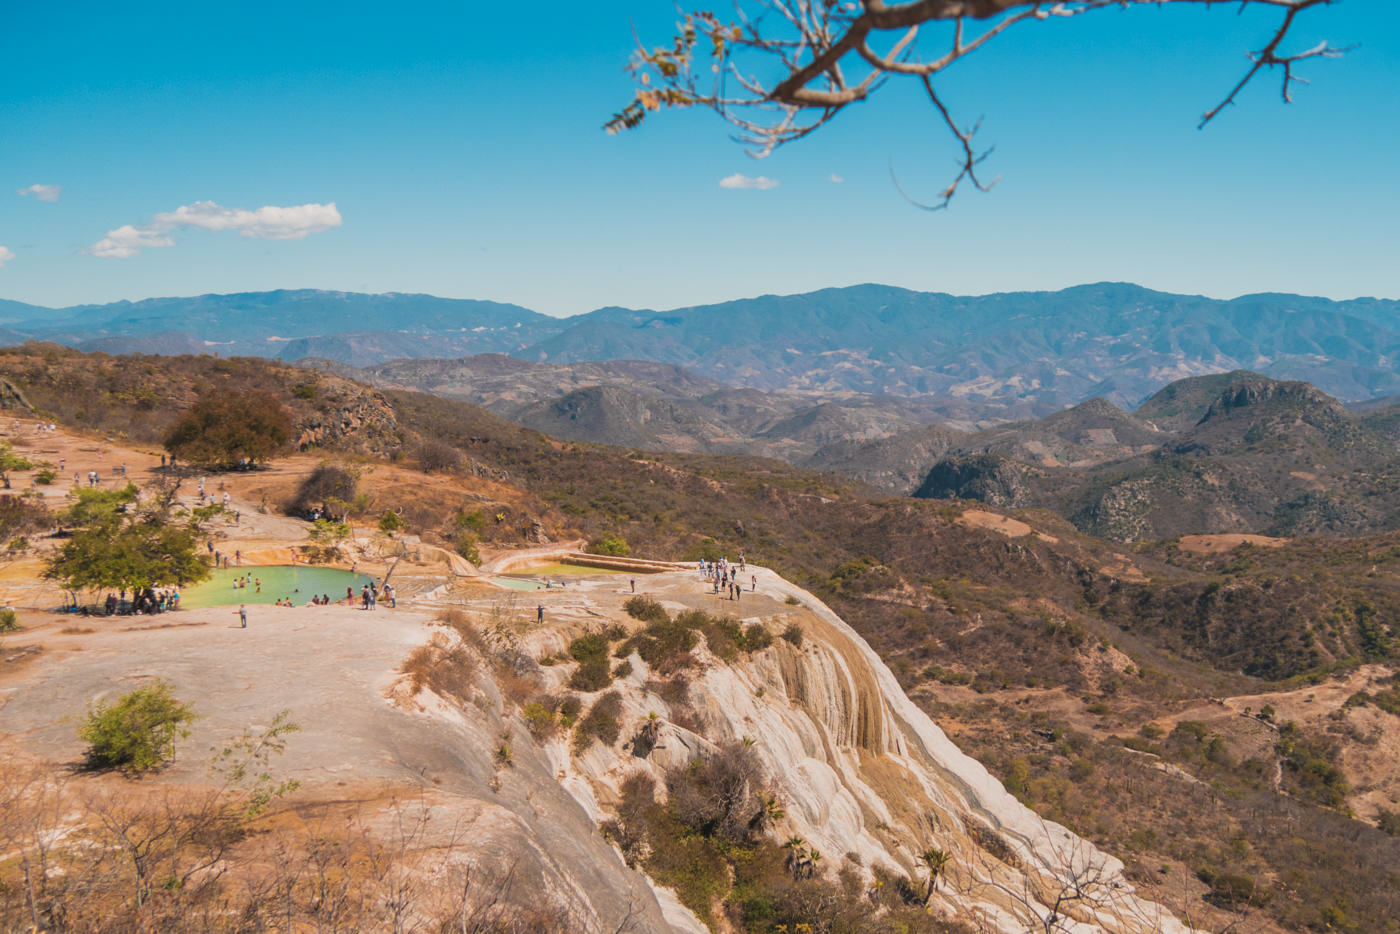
(332, 490)
(223, 428)
(612, 545)
(9, 460)
(466, 545)
(120, 543)
(325, 536)
(138, 732)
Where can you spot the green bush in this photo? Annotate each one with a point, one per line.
(138, 732)
(594, 669)
(756, 638)
(46, 476)
(569, 709)
(1232, 889)
(663, 644)
(470, 521)
(601, 723)
(646, 609)
(466, 547)
(793, 634)
(612, 545)
(390, 523)
(9, 620)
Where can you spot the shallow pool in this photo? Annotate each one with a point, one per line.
(554, 570)
(518, 583)
(298, 582)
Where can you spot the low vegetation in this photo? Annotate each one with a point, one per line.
(708, 841)
(137, 732)
(230, 429)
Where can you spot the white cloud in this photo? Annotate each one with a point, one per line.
(266, 223)
(737, 180)
(835, 179)
(42, 192)
(126, 241)
(5, 255)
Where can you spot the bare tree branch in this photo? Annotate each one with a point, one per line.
(784, 68)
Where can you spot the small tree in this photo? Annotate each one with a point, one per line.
(138, 732)
(120, 543)
(612, 545)
(224, 428)
(438, 457)
(330, 489)
(9, 460)
(325, 537)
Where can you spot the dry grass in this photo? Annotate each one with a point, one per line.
(442, 666)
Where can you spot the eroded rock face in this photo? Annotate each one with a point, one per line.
(350, 417)
(11, 398)
(987, 478)
(860, 770)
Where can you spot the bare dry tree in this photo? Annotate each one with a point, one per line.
(1066, 884)
(781, 69)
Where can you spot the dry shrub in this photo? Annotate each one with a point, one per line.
(444, 668)
(438, 457)
(465, 628)
(515, 687)
(719, 795)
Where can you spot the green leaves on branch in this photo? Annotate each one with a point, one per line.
(120, 544)
(673, 67)
(9, 461)
(325, 536)
(243, 764)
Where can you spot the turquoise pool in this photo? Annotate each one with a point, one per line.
(518, 583)
(278, 581)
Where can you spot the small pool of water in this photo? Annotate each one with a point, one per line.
(554, 570)
(298, 582)
(518, 583)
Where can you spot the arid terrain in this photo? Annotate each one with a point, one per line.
(1193, 707)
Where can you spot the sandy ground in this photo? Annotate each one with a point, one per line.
(1216, 544)
(980, 519)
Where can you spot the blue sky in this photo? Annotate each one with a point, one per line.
(462, 149)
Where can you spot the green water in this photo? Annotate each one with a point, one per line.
(518, 583)
(278, 581)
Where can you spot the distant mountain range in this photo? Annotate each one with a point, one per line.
(985, 359)
(1233, 452)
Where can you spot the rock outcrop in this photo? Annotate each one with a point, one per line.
(861, 771)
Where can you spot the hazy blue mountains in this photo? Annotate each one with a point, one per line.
(987, 358)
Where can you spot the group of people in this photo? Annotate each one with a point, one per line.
(370, 596)
(146, 601)
(724, 575)
(241, 583)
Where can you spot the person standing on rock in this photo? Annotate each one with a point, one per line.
(242, 616)
(634, 585)
(539, 614)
